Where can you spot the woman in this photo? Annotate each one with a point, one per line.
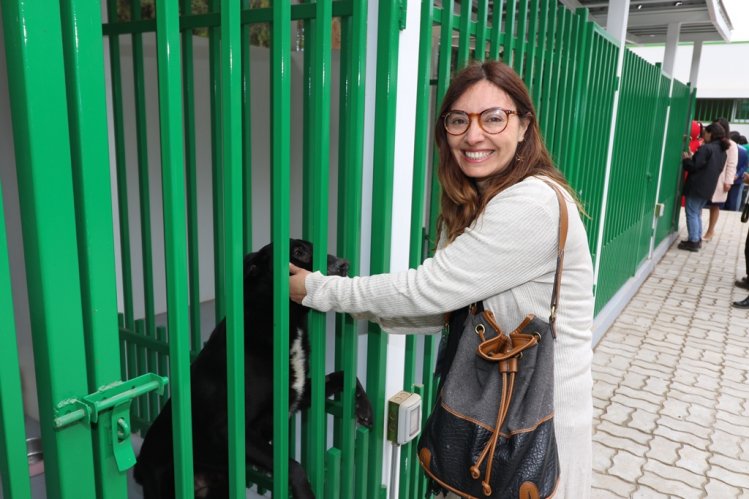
(705, 169)
(498, 226)
(726, 179)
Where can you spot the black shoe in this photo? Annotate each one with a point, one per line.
(693, 246)
(742, 283)
(742, 304)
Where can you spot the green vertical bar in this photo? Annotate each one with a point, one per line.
(13, 464)
(318, 233)
(163, 369)
(382, 183)
(482, 30)
(540, 55)
(84, 61)
(565, 86)
(533, 35)
(443, 80)
(144, 190)
(350, 164)
(232, 167)
(556, 80)
(333, 473)
(579, 96)
(519, 58)
(219, 252)
(193, 255)
(509, 33)
(419, 481)
(464, 33)
(362, 461)
(544, 110)
(175, 235)
(33, 44)
(139, 404)
(246, 135)
(496, 30)
(280, 197)
(120, 161)
(310, 148)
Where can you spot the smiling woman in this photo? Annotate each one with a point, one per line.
(501, 242)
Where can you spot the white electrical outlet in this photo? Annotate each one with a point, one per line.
(404, 417)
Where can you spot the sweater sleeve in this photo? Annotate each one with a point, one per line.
(511, 243)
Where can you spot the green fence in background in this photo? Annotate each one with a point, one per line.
(682, 105)
(56, 68)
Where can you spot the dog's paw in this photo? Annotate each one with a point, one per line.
(364, 413)
(300, 486)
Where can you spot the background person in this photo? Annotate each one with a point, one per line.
(725, 182)
(734, 198)
(498, 243)
(705, 168)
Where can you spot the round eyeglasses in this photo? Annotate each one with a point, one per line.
(493, 120)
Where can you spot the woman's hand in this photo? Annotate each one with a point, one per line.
(297, 289)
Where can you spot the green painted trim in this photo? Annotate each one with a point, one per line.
(280, 212)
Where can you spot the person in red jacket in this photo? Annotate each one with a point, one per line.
(695, 136)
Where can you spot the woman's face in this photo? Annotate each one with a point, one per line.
(480, 154)
(707, 136)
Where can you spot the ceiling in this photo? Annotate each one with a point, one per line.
(701, 20)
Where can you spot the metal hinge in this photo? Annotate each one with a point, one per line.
(118, 396)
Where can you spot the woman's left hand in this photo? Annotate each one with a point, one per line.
(297, 289)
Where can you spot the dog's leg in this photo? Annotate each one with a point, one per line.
(260, 453)
(334, 386)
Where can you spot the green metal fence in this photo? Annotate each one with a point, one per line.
(84, 345)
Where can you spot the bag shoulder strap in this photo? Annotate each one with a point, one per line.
(562, 241)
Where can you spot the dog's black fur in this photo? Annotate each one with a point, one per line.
(155, 467)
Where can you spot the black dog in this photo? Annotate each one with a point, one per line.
(155, 467)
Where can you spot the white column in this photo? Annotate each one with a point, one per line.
(616, 25)
(616, 20)
(672, 41)
(696, 57)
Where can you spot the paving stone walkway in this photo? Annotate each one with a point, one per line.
(671, 380)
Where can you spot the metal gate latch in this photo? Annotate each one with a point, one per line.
(117, 396)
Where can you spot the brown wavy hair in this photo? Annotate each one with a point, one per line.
(461, 201)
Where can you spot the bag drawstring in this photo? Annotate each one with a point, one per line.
(506, 351)
(508, 368)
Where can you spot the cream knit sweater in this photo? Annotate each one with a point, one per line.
(507, 258)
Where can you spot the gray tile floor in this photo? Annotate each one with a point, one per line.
(671, 380)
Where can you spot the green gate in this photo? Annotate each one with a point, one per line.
(227, 121)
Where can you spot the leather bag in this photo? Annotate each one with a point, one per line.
(491, 432)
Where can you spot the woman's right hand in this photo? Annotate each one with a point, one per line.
(297, 288)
